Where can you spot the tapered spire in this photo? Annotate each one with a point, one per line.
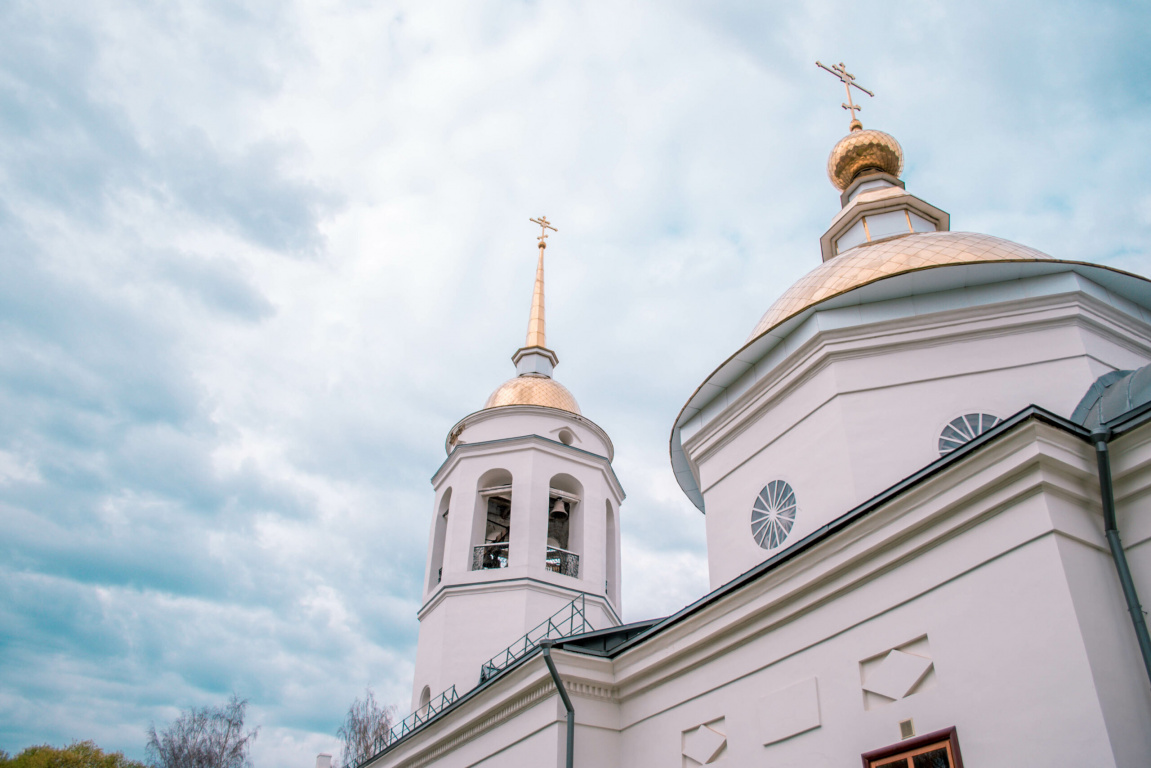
(536, 332)
(534, 357)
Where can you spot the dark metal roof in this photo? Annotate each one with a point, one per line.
(1112, 396)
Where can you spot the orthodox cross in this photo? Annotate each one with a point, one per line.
(848, 79)
(545, 225)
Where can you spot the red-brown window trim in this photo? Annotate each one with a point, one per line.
(947, 734)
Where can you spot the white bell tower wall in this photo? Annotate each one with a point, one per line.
(525, 519)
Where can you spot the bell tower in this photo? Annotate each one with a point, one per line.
(525, 521)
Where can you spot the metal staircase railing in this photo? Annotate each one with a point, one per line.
(416, 719)
(567, 621)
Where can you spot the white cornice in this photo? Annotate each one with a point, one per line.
(518, 583)
(531, 442)
(825, 347)
(499, 412)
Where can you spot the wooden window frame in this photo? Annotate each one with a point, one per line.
(948, 737)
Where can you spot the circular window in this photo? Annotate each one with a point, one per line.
(964, 430)
(566, 436)
(773, 514)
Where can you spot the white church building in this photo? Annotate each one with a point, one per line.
(925, 477)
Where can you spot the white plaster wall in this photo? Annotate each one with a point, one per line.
(860, 408)
(543, 748)
(1019, 690)
(1012, 670)
(467, 627)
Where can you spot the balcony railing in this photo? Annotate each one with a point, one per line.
(567, 621)
(490, 556)
(561, 561)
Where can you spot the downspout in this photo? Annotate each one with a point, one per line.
(1111, 529)
(546, 645)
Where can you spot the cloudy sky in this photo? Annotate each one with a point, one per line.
(256, 258)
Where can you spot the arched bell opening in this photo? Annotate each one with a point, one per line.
(565, 525)
(611, 536)
(491, 532)
(439, 537)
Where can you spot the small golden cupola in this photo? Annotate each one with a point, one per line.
(533, 384)
(865, 167)
(861, 152)
(881, 230)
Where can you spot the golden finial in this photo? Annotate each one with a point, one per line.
(848, 79)
(545, 225)
(536, 336)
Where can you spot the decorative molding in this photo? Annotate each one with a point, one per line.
(443, 591)
(896, 673)
(524, 442)
(485, 414)
(591, 691)
(704, 744)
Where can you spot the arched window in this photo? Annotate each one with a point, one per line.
(565, 527)
(425, 698)
(493, 529)
(439, 536)
(964, 429)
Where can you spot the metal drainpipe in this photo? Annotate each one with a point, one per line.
(1111, 529)
(546, 645)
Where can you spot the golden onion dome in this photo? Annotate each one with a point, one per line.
(870, 262)
(860, 150)
(533, 390)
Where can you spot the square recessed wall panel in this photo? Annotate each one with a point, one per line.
(789, 711)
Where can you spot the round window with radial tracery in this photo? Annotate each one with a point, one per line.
(964, 430)
(773, 514)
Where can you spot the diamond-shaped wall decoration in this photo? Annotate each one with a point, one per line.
(897, 675)
(703, 744)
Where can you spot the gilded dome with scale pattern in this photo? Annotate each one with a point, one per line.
(533, 390)
(874, 261)
(862, 149)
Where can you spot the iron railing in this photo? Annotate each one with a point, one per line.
(416, 719)
(567, 621)
(561, 561)
(490, 556)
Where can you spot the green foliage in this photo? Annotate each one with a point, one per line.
(78, 754)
